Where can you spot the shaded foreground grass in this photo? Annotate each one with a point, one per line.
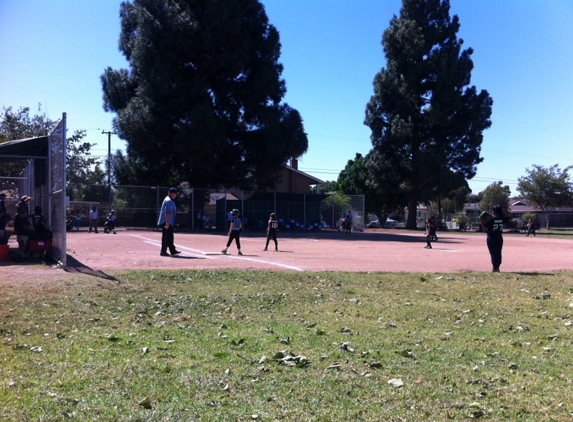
(268, 346)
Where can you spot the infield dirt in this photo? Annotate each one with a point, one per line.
(388, 250)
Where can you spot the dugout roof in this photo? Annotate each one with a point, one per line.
(29, 147)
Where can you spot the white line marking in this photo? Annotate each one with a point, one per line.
(206, 254)
(242, 258)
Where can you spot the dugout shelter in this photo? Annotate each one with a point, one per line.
(43, 178)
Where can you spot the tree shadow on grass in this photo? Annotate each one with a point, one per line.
(75, 266)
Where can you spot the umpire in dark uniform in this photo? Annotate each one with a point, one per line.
(493, 226)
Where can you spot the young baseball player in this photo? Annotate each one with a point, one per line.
(234, 231)
(429, 231)
(272, 227)
(493, 227)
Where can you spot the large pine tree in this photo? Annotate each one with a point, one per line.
(426, 120)
(201, 100)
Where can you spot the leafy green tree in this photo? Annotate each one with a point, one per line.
(426, 120)
(495, 194)
(21, 125)
(455, 200)
(356, 179)
(472, 198)
(546, 188)
(125, 169)
(82, 168)
(327, 187)
(333, 207)
(526, 216)
(201, 100)
(353, 179)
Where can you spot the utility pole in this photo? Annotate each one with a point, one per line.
(108, 133)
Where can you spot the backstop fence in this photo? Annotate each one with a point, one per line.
(43, 177)
(57, 190)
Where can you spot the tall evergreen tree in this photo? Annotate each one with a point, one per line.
(426, 120)
(201, 100)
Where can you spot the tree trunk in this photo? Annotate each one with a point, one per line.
(412, 211)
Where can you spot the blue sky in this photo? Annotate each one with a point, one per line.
(53, 53)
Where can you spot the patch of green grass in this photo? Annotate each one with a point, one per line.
(244, 345)
(556, 232)
(552, 232)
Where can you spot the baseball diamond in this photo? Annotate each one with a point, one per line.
(377, 250)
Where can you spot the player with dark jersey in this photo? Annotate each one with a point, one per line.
(494, 229)
(272, 227)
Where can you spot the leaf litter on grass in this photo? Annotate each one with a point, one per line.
(153, 343)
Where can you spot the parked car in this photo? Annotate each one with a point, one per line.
(373, 221)
(390, 224)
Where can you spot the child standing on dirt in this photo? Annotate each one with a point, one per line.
(272, 227)
(78, 220)
(429, 232)
(94, 216)
(234, 231)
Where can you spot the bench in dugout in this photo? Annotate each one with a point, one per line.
(22, 248)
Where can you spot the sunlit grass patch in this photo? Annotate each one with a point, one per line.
(253, 345)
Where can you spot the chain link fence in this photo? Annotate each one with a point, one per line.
(208, 209)
(43, 177)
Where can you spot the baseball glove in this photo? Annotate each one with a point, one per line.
(485, 216)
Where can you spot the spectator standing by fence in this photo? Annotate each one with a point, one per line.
(94, 217)
(24, 204)
(349, 218)
(78, 220)
(166, 221)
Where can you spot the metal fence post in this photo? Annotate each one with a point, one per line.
(157, 210)
(304, 210)
(332, 201)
